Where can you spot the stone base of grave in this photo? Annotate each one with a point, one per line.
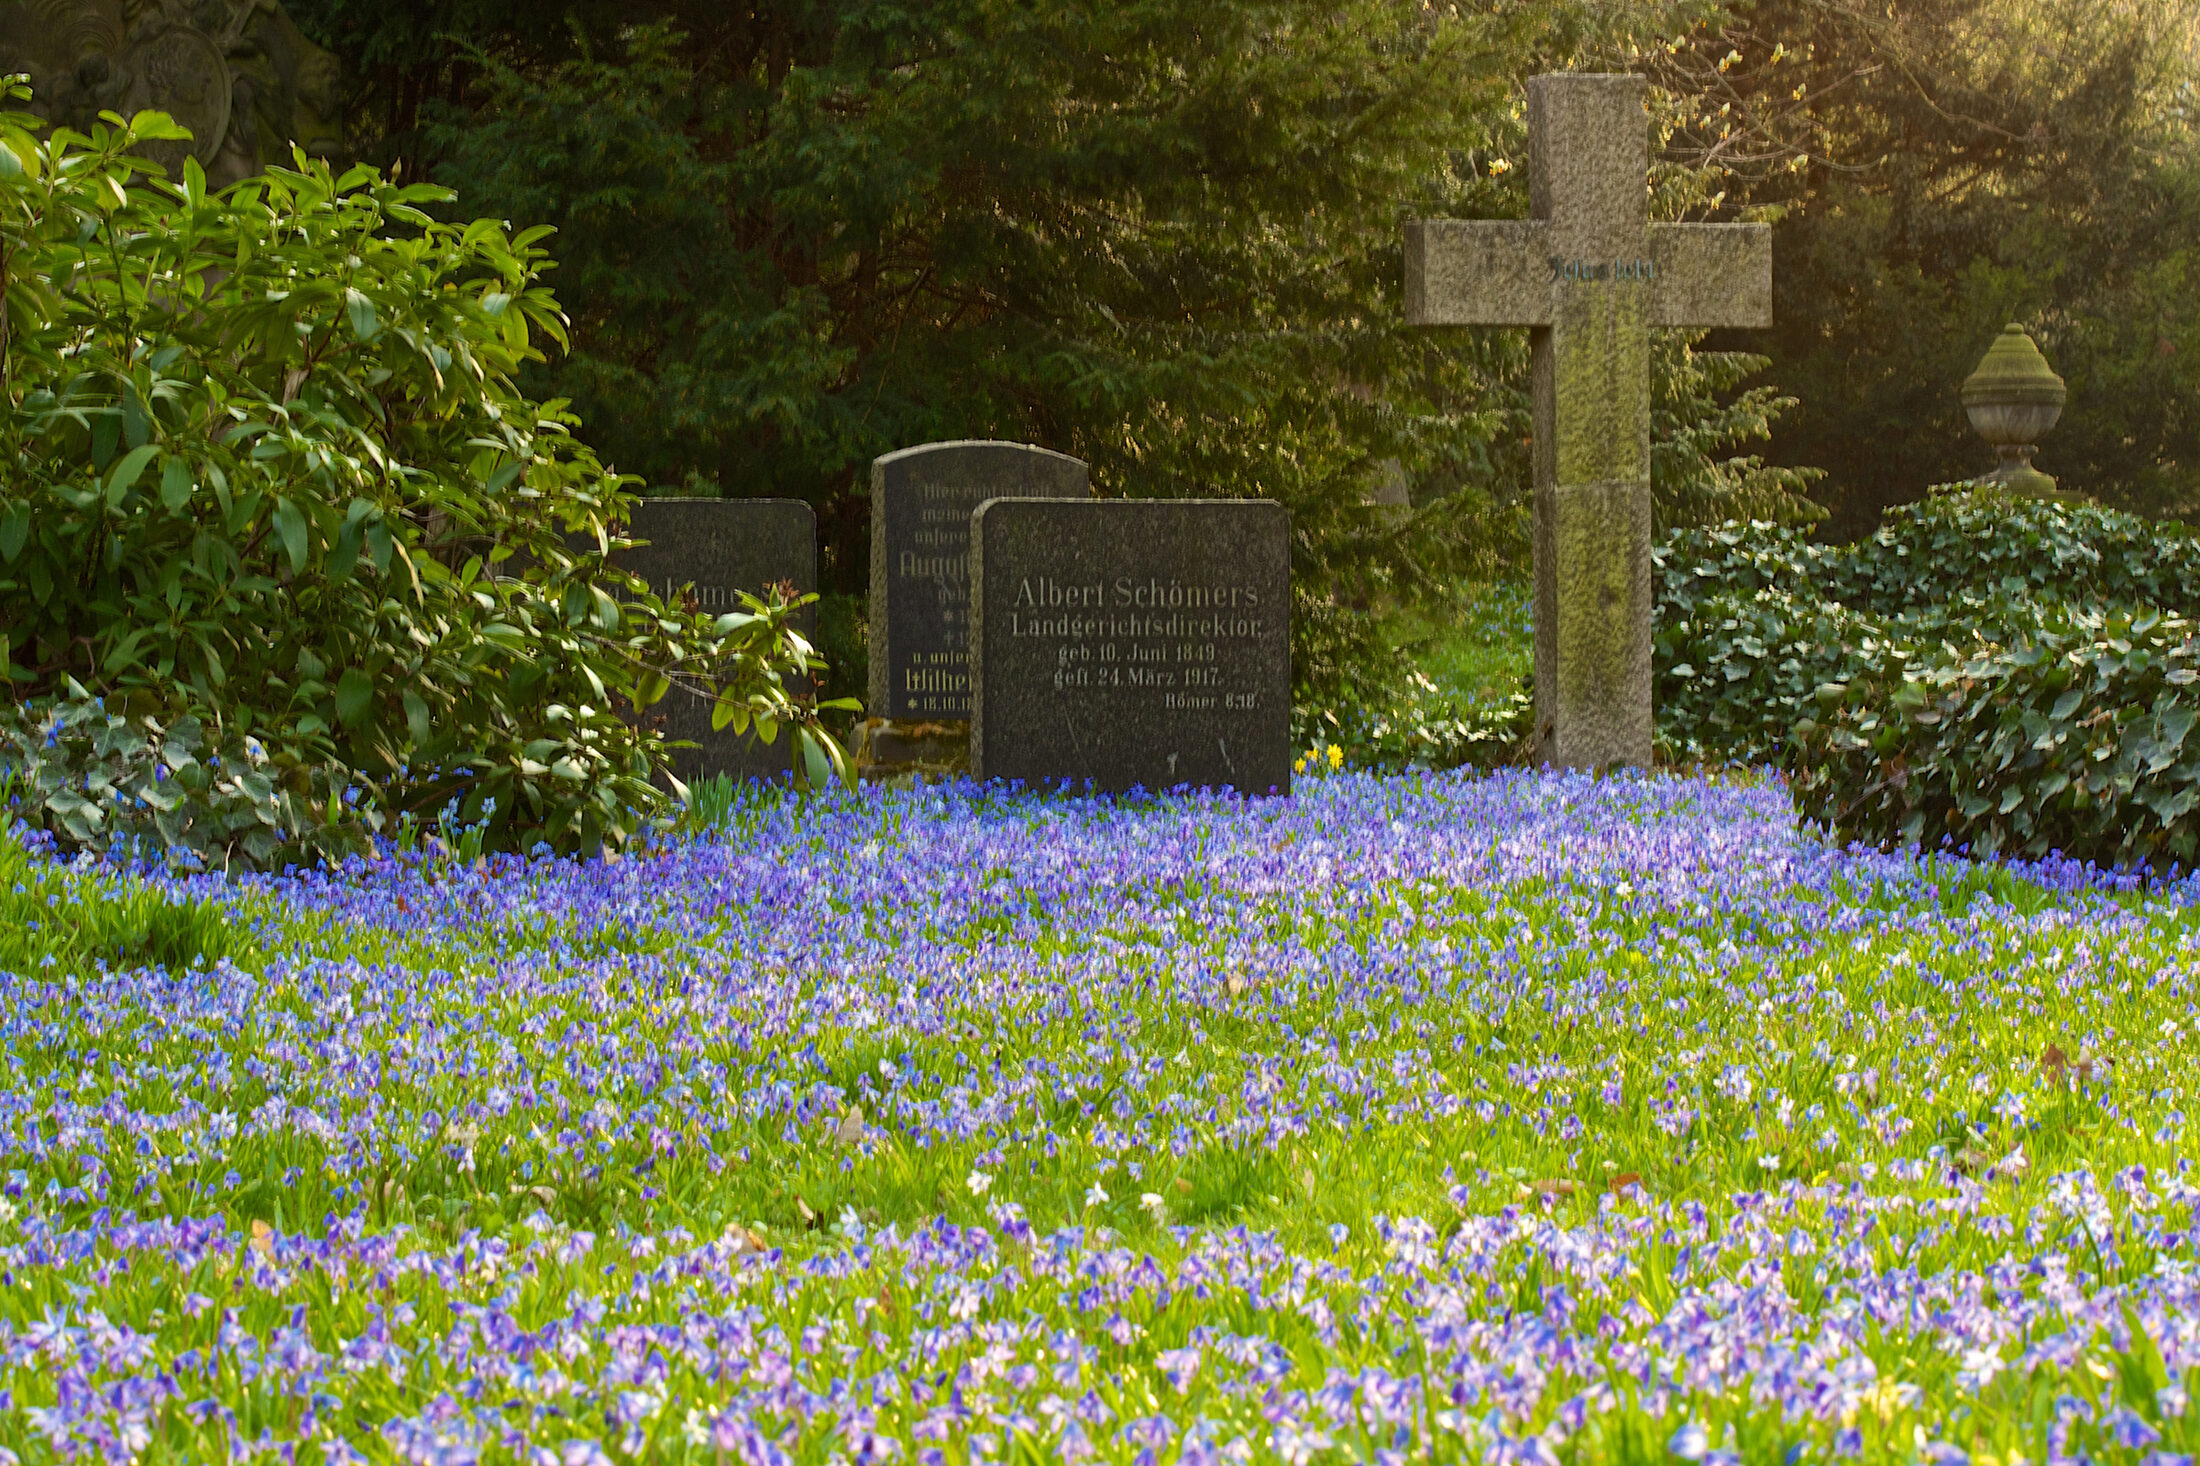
(886, 750)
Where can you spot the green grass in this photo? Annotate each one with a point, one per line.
(1446, 689)
(1477, 645)
(52, 919)
(1297, 1020)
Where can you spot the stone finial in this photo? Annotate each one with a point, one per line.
(2012, 400)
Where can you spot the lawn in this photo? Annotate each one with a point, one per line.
(1453, 669)
(1476, 645)
(1526, 1118)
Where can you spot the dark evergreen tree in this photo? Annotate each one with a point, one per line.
(1943, 167)
(1161, 234)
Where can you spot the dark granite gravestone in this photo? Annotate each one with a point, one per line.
(722, 547)
(1132, 643)
(921, 500)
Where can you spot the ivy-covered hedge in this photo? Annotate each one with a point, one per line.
(2075, 736)
(2009, 676)
(1945, 548)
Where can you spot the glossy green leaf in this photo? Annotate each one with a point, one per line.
(364, 323)
(126, 472)
(416, 716)
(290, 526)
(354, 691)
(175, 483)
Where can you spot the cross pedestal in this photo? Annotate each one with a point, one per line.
(1591, 275)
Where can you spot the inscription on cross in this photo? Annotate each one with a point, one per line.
(1591, 275)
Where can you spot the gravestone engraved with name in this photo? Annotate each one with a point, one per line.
(722, 547)
(1132, 643)
(921, 500)
(1591, 275)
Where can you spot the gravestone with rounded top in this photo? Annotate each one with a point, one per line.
(921, 502)
(1590, 275)
(714, 549)
(1132, 644)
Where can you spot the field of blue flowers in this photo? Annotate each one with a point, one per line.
(1527, 1118)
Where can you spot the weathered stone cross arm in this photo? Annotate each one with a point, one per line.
(1506, 272)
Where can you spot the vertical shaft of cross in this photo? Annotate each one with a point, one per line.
(1588, 157)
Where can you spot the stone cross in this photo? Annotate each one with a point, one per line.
(1591, 275)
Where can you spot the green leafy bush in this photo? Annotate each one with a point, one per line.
(2072, 735)
(108, 781)
(2009, 675)
(1453, 691)
(1979, 540)
(269, 470)
(1963, 541)
(1421, 725)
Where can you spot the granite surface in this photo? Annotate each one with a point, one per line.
(721, 547)
(921, 500)
(1129, 644)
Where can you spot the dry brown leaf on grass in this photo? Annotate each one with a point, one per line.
(2061, 1068)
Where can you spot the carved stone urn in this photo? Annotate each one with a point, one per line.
(2012, 400)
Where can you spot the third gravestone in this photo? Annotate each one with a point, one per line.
(921, 500)
(722, 547)
(1132, 643)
